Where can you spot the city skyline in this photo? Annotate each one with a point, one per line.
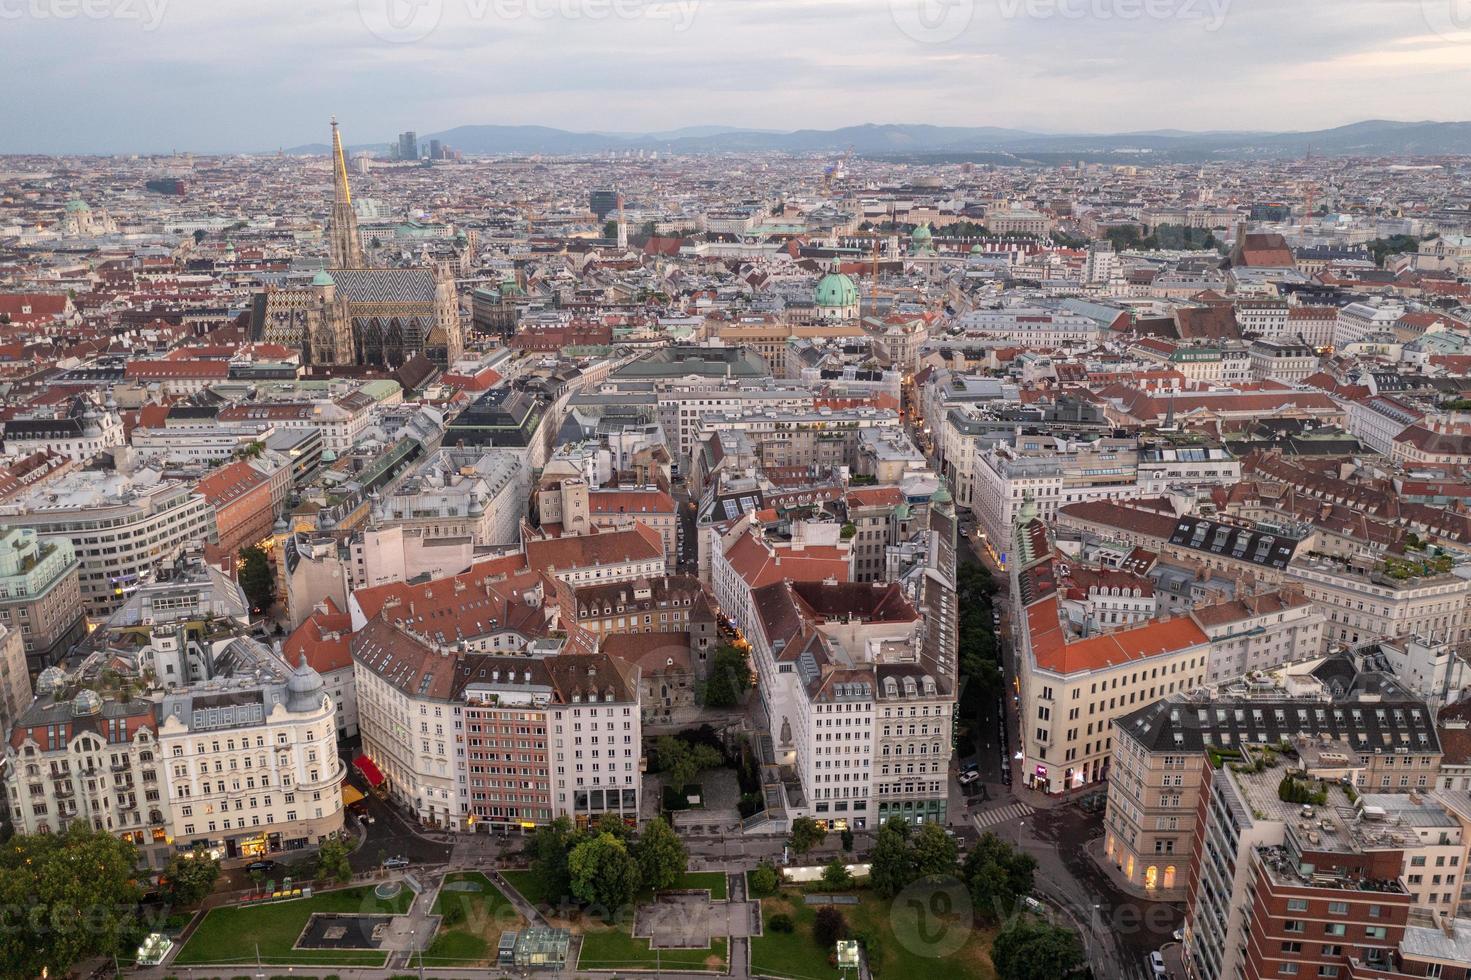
(124, 76)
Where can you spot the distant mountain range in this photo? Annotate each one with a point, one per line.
(1371, 138)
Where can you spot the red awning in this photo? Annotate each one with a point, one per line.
(370, 771)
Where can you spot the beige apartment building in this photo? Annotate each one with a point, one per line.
(1373, 733)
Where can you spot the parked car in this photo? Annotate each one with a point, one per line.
(1157, 964)
(966, 778)
(395, 863)
(264, 867)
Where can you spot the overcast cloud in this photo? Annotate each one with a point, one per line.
(213, 75)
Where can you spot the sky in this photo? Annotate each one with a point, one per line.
(133, 76)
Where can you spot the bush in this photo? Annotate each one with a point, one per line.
(829, 926)
(781, 922)
(764, 880)
(872, 948)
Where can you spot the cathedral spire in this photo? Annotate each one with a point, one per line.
(345, 247)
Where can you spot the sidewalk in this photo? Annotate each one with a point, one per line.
(1095, 852)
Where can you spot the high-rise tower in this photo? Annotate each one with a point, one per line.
(345, 248)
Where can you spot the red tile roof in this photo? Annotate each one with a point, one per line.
(323, 638)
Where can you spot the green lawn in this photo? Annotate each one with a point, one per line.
(482, 916)
(711, 881)
(234, 934)
(789, 954)
(532, 888)
(612, 948)
(900, 956)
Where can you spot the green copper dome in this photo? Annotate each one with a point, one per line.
(77, 206)
(835, 291)
(941, 495)
(976, 249)
(921, 235)
(323, 279)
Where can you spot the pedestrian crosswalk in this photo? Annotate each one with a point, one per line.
(1004, 814)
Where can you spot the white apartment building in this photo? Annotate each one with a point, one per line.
(85, 431)
(479, 740)
(1258, 632)
(197, 443)
(1377, 420)
(1264, 318)
(1357, 320)
(857, 715)
(121, 527)
(243, 764)
(1033, 326)
(252, 768)
(1366, 606)
(480, 494)
(1282, 360)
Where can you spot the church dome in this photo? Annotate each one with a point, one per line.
(921, 235)
(976, 249)
(510, 288)
(304, 687)
(77, 207)
(323, 278)
(941, 495)
(835, 291)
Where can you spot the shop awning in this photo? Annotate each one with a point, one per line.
(369, 770)
(350, 794)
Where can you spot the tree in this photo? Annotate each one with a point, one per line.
(730, 677)
(199, 234)
(332, 860)
(998, 875)
(891, 866)
(256, 578)
(603, 874)
(662, 857)
(764, 879)
(935, 852)
(828, 926)
(79, 893)
(683, 761)
(806, 834)
(610, 229)
(847, 838)
(836, 874)
(550, 846)
(190, 877)
(1028, 949)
